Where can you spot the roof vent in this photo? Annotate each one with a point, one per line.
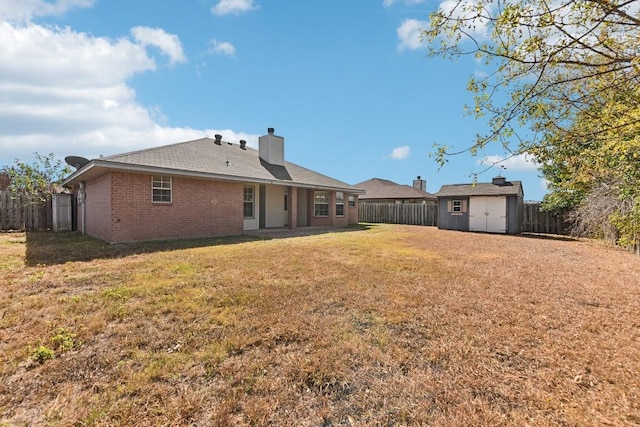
(243, 144)
(499, 180)
(218, 140)
(270, 131)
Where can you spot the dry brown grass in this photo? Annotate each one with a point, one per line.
(390, 325)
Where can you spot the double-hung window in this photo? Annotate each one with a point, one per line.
(352, 201)
(339, 204)
(248, 202)
(457, 206)
(321, 203)
(161, 189)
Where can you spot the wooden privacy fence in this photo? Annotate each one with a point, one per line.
(398, 213)
(537, 221)
(534, 220)
(23, 213)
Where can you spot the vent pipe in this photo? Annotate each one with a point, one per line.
(218, 140)
(243, 144)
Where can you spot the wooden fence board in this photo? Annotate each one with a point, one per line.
(398, 213)
(21, 213)
(534, 220)
(537, 221)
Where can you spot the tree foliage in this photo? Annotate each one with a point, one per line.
(548, 59)
(564, 87)
(36, 180)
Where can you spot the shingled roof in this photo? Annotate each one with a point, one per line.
(499, 187)
(204, 158)
(377, 188)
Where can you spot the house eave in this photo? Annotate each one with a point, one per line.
(98, 167)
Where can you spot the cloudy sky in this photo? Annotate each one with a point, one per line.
(347, 84)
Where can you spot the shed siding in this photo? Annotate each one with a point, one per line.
(452, 221)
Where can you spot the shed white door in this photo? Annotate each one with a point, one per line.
(488, 214)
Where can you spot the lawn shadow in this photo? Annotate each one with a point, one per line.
(556, 237)
(49, 248)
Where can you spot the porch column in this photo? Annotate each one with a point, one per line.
(292, 208)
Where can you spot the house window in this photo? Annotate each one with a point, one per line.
(457, 206)
(339, 204)
(321, 203)
(161, 189)
(248, 202)
(352, 201)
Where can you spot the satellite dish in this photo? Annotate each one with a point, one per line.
(76, 161)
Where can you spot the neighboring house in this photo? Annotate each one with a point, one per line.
(384, 191)
(495, 207)
(205, 188)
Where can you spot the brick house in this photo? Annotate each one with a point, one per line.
(206, 187)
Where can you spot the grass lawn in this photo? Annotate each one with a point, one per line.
(381, 325)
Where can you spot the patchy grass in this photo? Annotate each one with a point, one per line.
(391, 325)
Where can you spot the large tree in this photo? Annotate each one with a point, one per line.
(564, 87)
(547, 60)
(36, 180)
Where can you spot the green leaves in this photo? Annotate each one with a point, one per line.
(37, 179)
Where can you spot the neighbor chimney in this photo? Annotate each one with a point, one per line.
(420, 184)
(218, 140)
(271, 148)
(243, 144)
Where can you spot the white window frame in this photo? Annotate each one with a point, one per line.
(456, 206)
(252, 201)
(352, 201)
(161, 186)
(339, 203)
(321, 200)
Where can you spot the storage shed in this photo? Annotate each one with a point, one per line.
(495, 207)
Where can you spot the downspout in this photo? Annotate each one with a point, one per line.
(84, 209)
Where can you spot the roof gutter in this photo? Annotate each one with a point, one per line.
(114, 166)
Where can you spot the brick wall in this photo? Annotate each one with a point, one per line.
(352, 213)
(98, 207)
(199, 208)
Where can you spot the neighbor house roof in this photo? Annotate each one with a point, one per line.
(203, 158)
(508, 188)
(377, 188)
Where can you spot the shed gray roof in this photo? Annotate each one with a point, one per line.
(509, 188)
(377, 188)
(205, 159)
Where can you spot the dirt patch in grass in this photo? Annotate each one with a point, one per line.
(388, 325)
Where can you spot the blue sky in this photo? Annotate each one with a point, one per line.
(346, 83)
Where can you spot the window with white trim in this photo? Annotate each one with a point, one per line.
(161, 189)
(339, 203)
(248, 201)
(321, 203)
(457, 206)
(352, 201)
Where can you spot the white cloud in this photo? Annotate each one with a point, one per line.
(222, 48)
(67, 93)
(169, 44)
(24, 10)
(400, 153)
(520, 162)
(409, 33)
(225, 7)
